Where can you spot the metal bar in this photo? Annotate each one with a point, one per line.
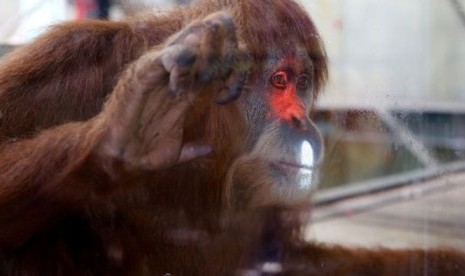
(349, 191)
(411, 142)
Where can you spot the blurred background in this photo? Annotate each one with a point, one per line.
(392, 115)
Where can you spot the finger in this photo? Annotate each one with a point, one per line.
(177, 54)
(177, 60)
(212, 48)
(236, 81)
(233, 90)
(192, 151)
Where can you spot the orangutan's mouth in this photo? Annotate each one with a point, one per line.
(286, 165)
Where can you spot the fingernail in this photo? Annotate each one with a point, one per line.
(186, 58)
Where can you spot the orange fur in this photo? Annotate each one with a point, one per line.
(69, 205)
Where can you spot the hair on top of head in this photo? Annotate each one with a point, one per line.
(266, 26)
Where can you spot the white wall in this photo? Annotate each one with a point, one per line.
(393, 53)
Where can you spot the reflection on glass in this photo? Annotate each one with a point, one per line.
(305, 175)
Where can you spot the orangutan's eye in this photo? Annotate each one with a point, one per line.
(279, 79)
(303, 82)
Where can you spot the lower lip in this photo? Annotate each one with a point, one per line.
(294, 172)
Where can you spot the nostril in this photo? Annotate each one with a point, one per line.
(297, 123)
